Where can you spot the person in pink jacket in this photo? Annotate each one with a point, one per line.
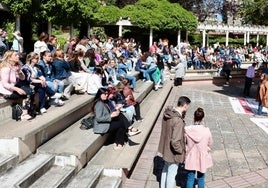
(198, 150)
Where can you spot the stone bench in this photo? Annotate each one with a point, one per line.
(120, 163)
(22, 138)
(75, 146)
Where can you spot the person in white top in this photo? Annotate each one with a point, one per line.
(41, 44)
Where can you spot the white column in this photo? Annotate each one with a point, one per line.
(257, 40)
(151, 37)
(248, 37)
(17, 23)
(179, 37)
(204, 38)
(120, 31)
(227, 38)
(245, 38)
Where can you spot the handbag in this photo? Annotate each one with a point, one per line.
(181, 177)
(158, 166)
(87, 123)
(16, 112)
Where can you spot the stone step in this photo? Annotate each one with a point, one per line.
(76, 147)
(87, 177)
(109, 182)
(56, 176)
(119, 162)
(27, 171)
(7, 162)
(23, 138)
(5, 110)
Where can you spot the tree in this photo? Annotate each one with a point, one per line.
(153, 14)
(18, 7)
(201, 8)
(254, 12)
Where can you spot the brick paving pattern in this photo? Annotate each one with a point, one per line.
(239, 153)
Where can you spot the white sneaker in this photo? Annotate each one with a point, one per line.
(43, 110)
(57, 102)
(148, 81)
(56, 96)
(66, 96)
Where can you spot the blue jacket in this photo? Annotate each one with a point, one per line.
(122, 69)
(61, 69)
(46, 70)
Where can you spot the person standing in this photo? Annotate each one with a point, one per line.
(180, 71)
(227, 68)
(172, 141)
(262, 93)
(198, 150)
(250, 74)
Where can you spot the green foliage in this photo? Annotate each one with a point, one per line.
(61, 41)
(159, 15)
(18, 7)
(107, 15)
(254, 12)
(9, 27)
(100, 32)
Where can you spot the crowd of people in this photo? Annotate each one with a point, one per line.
(81, 66)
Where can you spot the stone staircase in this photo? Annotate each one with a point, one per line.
(52, 151)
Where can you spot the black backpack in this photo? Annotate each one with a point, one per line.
(87, 123)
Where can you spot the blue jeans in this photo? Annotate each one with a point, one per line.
(191, 179)
(132, 79)
(51, 85)
(259, 112)
(168, 175)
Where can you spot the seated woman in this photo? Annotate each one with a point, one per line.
(106, 120)
(119, 97)
(80, 76)
(113, 105)
(10, 75)
(61, 74)
(36, 79)
(112, 72)
(130, 100)
(95, 81)
(122, 69)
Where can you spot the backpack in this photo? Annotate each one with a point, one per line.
(16, 112)
(87, 123)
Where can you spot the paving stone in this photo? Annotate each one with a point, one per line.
(239, 150)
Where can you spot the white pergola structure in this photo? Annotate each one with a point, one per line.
(247, 30)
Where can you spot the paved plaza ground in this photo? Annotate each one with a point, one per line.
(240, 152)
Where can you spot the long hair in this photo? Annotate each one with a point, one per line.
(97, 98)
(58, 54)
(6, 59)
(30, 57)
